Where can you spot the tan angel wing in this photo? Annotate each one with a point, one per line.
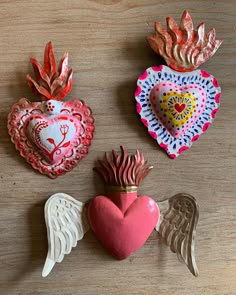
(177, 226)
(65, 226)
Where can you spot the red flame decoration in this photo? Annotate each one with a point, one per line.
(183, 47)
(52, 83)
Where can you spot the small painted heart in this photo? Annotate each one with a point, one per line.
(122, 234)
(54, 137)
(180, 107)
(177, 107)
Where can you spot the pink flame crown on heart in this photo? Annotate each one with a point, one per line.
(183, 47)
(121, 220)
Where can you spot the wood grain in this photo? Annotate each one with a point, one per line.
(107, 51)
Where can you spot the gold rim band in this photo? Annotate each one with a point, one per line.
(120, 189)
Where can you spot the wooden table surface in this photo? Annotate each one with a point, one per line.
(107, 51)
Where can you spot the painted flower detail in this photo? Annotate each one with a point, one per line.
(57, 147)
(64, 129)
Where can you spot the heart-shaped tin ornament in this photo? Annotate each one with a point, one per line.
(179, 102)
(121, 219)
(53, 136)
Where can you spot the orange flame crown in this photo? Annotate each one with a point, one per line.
(124, 170)
(52, 83)
(183, 47)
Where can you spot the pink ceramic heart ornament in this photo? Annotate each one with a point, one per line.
(178, 103)
(123, 232)
(122, 220)
(53, 136)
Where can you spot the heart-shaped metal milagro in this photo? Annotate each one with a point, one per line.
(52, 140)
(179, 102)
(52, 136)
(176, 107)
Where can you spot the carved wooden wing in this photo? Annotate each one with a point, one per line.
(65, 226)
(177, 226)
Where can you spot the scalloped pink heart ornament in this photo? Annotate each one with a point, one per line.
(52, 141)
(52, 136)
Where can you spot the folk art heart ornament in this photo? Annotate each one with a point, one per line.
(121, 219)
(177, 103)
(53, 136)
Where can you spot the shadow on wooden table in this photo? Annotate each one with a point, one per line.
(141, 57)
(38, 236)
(20, 87)
(37, 248)
(9, 147)
(127, 106)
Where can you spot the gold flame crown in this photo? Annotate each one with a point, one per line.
(123, 170)
(183, 47)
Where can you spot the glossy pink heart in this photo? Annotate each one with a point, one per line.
(55, 137)
(123, 231)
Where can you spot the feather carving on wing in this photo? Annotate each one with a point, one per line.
(177, 226)
(65, 226)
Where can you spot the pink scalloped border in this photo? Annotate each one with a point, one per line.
(23, 109)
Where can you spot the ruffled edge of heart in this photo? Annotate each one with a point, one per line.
(27, 148)
(145, 83)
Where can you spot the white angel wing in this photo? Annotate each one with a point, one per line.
(177, 226)
(65, 226)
